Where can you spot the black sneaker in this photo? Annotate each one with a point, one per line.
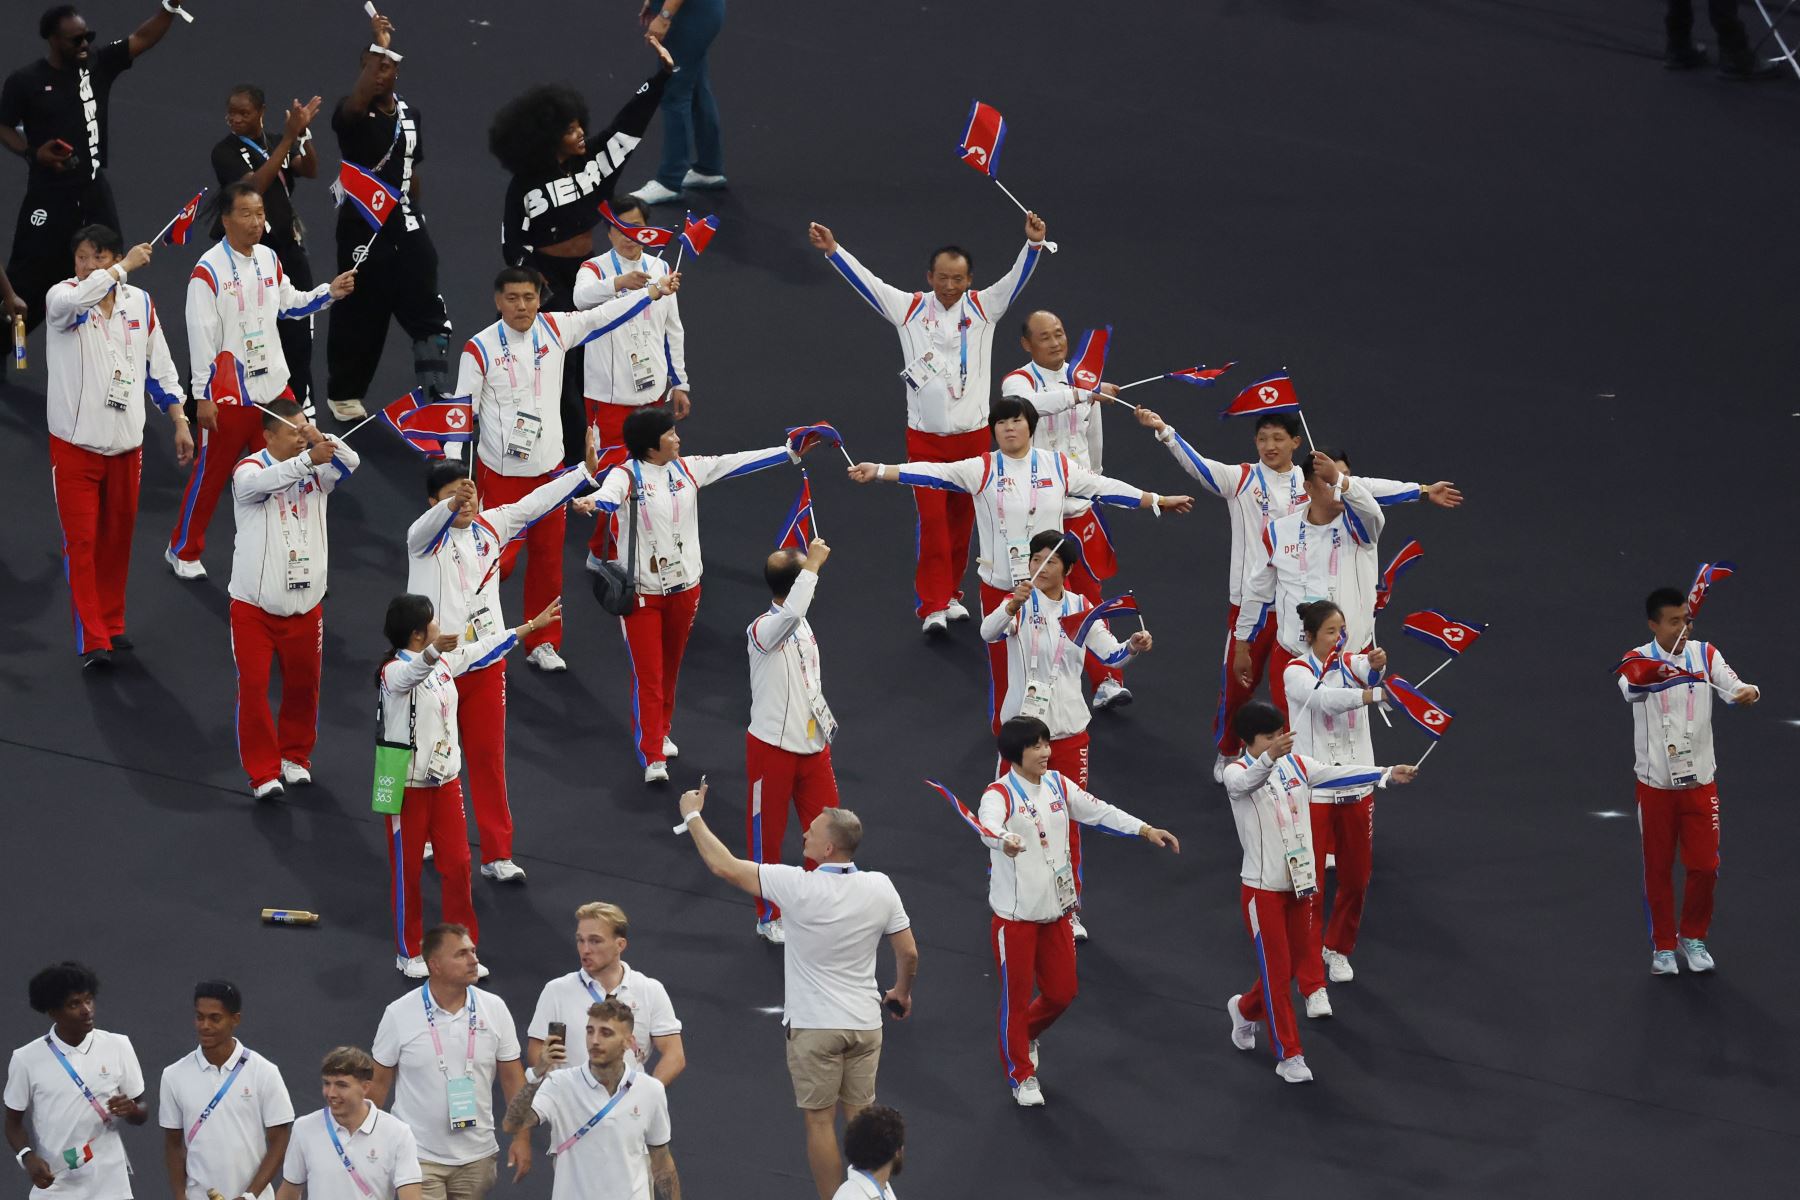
(1684, 58)
(121, 642)
(97, 660)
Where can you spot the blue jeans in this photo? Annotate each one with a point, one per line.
(690, 115)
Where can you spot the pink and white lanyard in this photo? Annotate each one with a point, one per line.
(1262, 493)
(1038, 624)
(1000, 491)
(86, 1091)
(1318, 669)
(362, 1185)
(506, 358)
(1073, 412)
(1662, 697)
(637, 469)
(1331, 564)
(299, 507)
(237, 281)
(462, 577)
(962, 333)
(243, 1059)
(102, 323)
(598, 1117)
(1287, 829)
(437, 1043)
(1031, 811)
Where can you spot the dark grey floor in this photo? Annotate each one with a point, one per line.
(1493, 241)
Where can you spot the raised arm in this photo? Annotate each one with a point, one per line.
(253, 481)
(152, 30)
(1103, 490)
(966, 475)
(427, 535)
(586, 324)
(1221, 479)
(363, 92)
(886, 299)
(774, 627)
(720, 861)
(1726, 680)
(715, 468)
(1000, 296)
(67, 301)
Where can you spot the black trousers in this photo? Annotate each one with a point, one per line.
(561, 273)
(49, 215)
(296, 336)
(399, 281)
(1678, 19)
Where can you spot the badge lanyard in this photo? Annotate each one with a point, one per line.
(86, 1091)
(280, 172)
(362, 1185)
(106, 335)
(1000, 491)
(1030, 811)
(237, 283)
(1318, 668)
(1037, 625)
(438, 1042)
(598, 1117)
(1067, 379)
(806, 686)
(537, 371)
(1662, 697)
(1262, 485)
(1331, 564)
(1288, 831)
(637, 469)
(243, 1057)
(962, 333)
(299, 508)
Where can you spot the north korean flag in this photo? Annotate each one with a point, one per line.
(375, 198)
(802, 438)
(1433, 718)
(643, 235)
(797, 531)
(1200, 376)
(697, 235)
(1435, 629)
(1078, 625)
(177, 233)
(1090, 359)
(980, 146)
(1709, 574)
(962, 810)
(226, 383)
(429, 425)
(1274, 394)
(1642, 673)
(1409, 554)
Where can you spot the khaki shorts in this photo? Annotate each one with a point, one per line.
(833, 1066)
(471, 1181)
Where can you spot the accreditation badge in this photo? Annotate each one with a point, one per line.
(463, 1112)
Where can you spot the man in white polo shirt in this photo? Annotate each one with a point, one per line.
(836, 916)
(76, 1084)
(875, 1144)
(601, 933)
(224, 1109)
(446, 1042)
(350, 1149)
(609, 1122)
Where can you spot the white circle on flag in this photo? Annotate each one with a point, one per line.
(1433, 717)
(1268, 395)
(1453, 633)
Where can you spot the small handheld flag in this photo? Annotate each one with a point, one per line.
(981, 139)
(227, 383)
(1709, 574)
(1409, 554)
(1090, 359)
(696, 235)
(797, 531)
(1433, 718)
(1078, 625)
(643, 235)
(1274, 394)
(373, 197)
(802, 438)
(1200, 376)
(430, 425)
(1643, 673)
(1435, 629)
(175, 233)
(962, 810)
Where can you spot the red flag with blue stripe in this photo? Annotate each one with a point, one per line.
(227, 383)
(1200, 376)
(1642, 673)
(981, 139)
(1409, 554)
(962, 810)
(1090, 359)
(697, 235)
(801, 438)
(1274, 394)
(1435, 629)
(430, 425)
(374, 197)
(643, 235)
(1709, 574)
(177, 233)
(797, 531)
(1431, 716)
(1078, 625)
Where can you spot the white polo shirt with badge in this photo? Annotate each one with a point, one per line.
(223, 1113)
(835, 916)
(860, 1185)
(428, 1070)
(567, 998)
(381, 1151)
(611, 1160)
(67, 1129)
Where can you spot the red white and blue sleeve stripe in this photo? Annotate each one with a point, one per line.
(204, 274)
(1200, 467)
(917, 478)
(1389, 491)
(315, 300)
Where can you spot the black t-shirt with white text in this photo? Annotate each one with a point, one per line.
(385, 144)
(69, 103)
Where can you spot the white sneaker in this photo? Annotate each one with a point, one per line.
(1694, 950)
(955, 611)
(1243, 1033)
(545, 658)
(273, 788)
(1034, 1054)
(182, 568)
(1109, 693)
(1663, 963)
(1337, 967)
(1219, 769)
(594, 563)
(670, 749)
(1029, 1094)
(428, 852)
(1294, 1069)
(1077, 927)
(694, 179)
(412, 968)
(294, 773)
(655, 193)
(656, 772)
(772, 932)
(503, 870)
(347, 410)
(1318, 1005)
(938, 622)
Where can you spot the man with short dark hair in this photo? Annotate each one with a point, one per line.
(224, 1109)
(787, 749)
(76, 1083)
(875, 1146)
(350, 1149)
(270, 166)
(946, 347)
(1678, 802)
(53, 114)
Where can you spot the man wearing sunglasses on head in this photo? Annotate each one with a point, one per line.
(53, 115)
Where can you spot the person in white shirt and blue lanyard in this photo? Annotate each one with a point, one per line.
(875, 1146)
(350, 1149)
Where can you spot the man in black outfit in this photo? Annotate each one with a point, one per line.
(1735, 59)
(379, 131)
(53, 114)
(271, 167)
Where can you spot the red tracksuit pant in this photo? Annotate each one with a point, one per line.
(1280, 929)
(945, 519)
(1031, 954)
(96, 502)
(656, 634)
(992, 598)
(481, 728)
(543, 541)
(1234, 695)
(1686, 819)
(296, 642)
(608, 420)
(215, 456)
(435, 815)
(1097, 563)
(776, 776)
(1348, 831)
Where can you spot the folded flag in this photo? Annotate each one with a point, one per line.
(697, 235)
(797, 531)
(1409, 554)
(1709, 574)
(177, 232)
(1435, 629)
(375, 198)
(1274, 394)
(1078, 625)
(643, 235)
(1433, 718)
(226, 383)
(980, 146)
(802, 438)
(1200, 376)
(1090, 359)
(962, 810)
(1642, 673)
(429, 425)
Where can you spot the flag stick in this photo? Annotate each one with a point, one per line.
(1301, 413)
(1116, 400)
(679, 247)
(846, 454)
(1010, 196)
(370, 244)
(279, 417)
(1440, 667)
(1135, 382)
(1425, 755)
(360, 424)
(179, 211)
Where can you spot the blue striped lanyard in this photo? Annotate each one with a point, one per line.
(597, 1117)
(362, 1185)
(86, 1091)
(243, 1057)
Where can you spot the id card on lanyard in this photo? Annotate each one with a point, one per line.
(1018, 550)
(482, 618)
(250, 327)
(461, 1088)
(1036, 700)
(1063, 877)
(1291, 824)
(1332, 564)
(630, 1078)
(362, 1185)
(1678, 733)
(670, 569)
(637, 334)
(299, 557)
(123, 382)
(238, 1069)
(527, 425)
(821, 719)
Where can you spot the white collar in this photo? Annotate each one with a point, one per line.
(87, 1043)
(368, 1124)
(624, 978)
(200, 1057)
(593, 1080)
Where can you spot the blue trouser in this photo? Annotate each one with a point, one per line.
(690, 115)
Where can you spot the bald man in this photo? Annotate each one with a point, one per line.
(1069, 423)
(787, 751)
